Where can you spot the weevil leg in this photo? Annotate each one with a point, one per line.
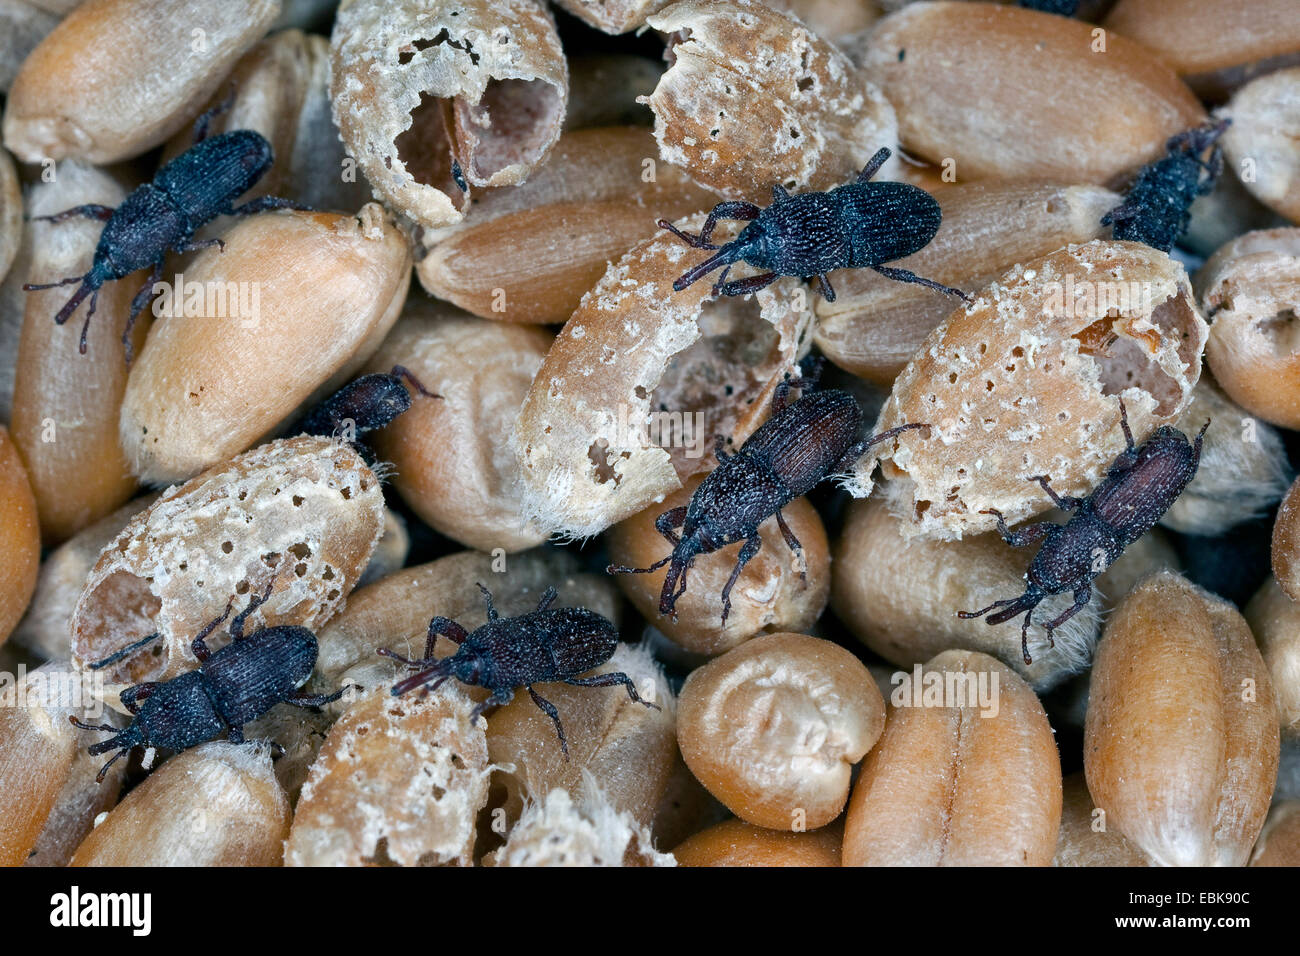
(124, 652)
(402, 372)
(137, 306)
(318, 700)
(1081, 598)
(549, 710)
(445, 627)
(487, 600)
(856, 451)
(619, 569)
(906, 275)
(969, 615)
(499, 698)
(670, 519)
(612, 680)
(874, 164)
(267, 203)
(254, 602)
(779, 193)
(1024, 637)
(198, 646)
(733, 209)
(1023, 536)
(197, 246)
(104, 728)
(745, 286)
(85, 326)
(1064, 502)
(828, 293)
(204, 120)
(132, 696)
(746, 553)
(90, 210)
(103, 771)
(548, 598)
(792, 543)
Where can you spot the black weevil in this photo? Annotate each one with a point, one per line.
(861, 224)
(160, 216)
(801, 443)
(363, 405)
(1156, 208)
(549, 644)
(1141, 485)
(232, 686)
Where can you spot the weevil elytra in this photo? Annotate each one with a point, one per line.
(231, 687)
(802, 443)
(1141, 485)
(548, 644)
(861, 224)
(161, 216)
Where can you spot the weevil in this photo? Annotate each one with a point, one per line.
(1157, 207)
(548, 644)
(802, 443)
(1139, 487)
(161, 216)
(232, 686)
(1064, 8)
(861, 224)
(364, 405)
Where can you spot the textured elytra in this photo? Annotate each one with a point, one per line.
(754, 98)
(1027, 381)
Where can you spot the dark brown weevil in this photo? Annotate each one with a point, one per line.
(1141, 485)
(549, 644)
(802, 443)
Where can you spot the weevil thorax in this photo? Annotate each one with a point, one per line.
(206, 179)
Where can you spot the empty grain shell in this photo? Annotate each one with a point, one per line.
(753, 98)
(399, 781)
(737, 843)
(1085, 839)
(1181, 738)
(1260, 145)
(900, 596)
(20, 537)
(450, 465)
(965, 774)
(773, 728)
(46, 628)
(1248, 289)
(775, 592)
(875, 325)
(117, 77)
(1027, 381)
(316, 293)
(934, 62)
(421, 84)
(561, 831)
(612, 16)
(529, 254)
(624, 748)
(1214, 45)
(66, 405)
(216, 805)
(1274, 619)
(300, 514)
(621, 411)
